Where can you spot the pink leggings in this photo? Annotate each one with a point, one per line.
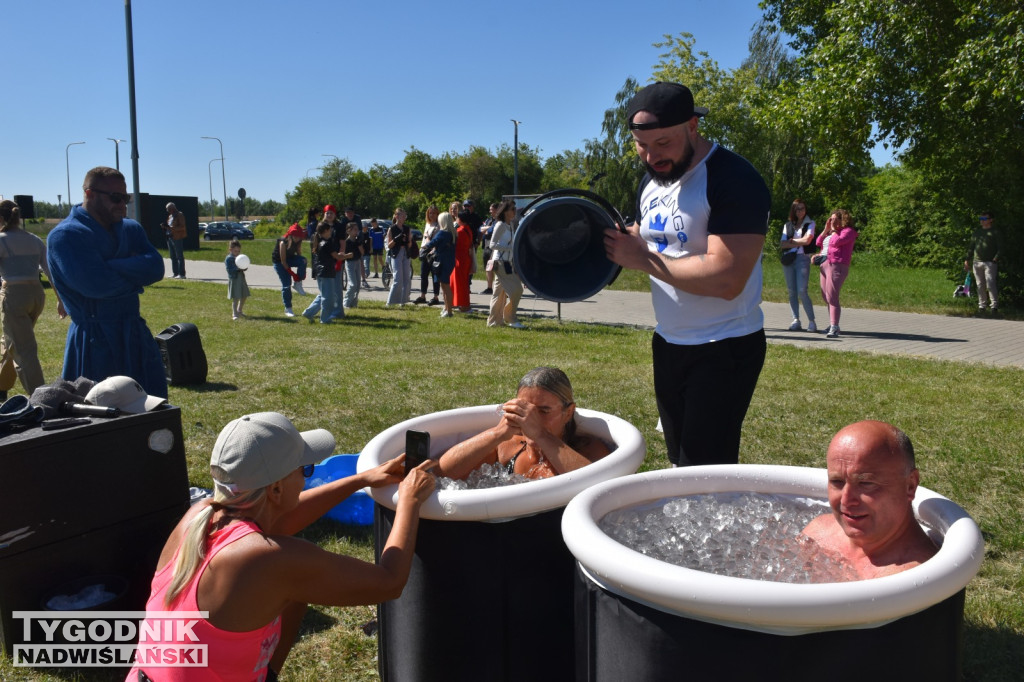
(832, 277)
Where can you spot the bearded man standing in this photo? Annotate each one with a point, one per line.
(702, 216)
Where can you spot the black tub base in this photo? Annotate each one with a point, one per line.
(619, 639)
(484, 602)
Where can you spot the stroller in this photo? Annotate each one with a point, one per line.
(963, 290)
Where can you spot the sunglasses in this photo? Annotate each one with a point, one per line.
(115, 197)
(984, 218)
(307, 470)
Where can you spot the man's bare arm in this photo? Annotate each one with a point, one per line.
(722, 272)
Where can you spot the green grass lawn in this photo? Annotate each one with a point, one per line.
(381, 366)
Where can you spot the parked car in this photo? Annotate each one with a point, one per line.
(227, 230)
(385, 225)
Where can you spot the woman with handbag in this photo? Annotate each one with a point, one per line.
(430, 228)
(507, 284)
(797, 245)
(400, 244)
(836, 242)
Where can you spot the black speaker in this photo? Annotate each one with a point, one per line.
(558, 248)
(182, 353)
(26, 205)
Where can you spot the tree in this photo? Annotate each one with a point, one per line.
(942, 78)
(566, 169)
(427, 175)
(531, 170)
(611, 162)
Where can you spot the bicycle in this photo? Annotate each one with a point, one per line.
(385, 273)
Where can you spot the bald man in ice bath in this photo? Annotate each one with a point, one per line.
(872, 480)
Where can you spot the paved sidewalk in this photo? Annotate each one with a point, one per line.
(961, 339)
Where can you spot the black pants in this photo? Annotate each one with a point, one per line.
(703, 393)
(426, 271)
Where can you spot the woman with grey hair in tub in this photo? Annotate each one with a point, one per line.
(234, 558)
(536, 436)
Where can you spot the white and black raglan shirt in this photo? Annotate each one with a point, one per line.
(723, 194)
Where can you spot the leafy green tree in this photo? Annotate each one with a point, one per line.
(531, 172)
(482, 175)
(911, 222)
(941, 79)
(611, 162)
(427, 175)
(566, 169)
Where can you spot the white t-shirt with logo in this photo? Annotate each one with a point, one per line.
(723, 194)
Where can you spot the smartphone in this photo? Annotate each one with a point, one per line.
(417, 449)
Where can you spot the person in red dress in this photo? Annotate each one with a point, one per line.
(463, 262)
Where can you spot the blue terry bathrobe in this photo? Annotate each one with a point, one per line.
(99, 275)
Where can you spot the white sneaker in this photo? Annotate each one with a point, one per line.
(811, 327)
(833, 332)
(517, 325)
(288, 312)
(446, 313)
(795, 326)
(298, 288)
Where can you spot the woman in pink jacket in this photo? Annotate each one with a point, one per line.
(836, 242)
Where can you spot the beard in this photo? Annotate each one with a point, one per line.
(678, 169)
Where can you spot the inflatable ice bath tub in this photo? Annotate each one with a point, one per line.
(734, 628)
(491, 575)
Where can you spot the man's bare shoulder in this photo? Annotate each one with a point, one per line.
(821, 526)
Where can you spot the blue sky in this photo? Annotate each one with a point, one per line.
(283, 83)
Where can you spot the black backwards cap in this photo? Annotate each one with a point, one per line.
(671, 103)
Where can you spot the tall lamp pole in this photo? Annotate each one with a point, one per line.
(209, 174)
(117, 151)
(223, 176)
(515, 159)
(67, 169)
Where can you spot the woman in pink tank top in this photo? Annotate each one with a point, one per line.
(234, 557)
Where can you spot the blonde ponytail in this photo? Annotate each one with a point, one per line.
(193, 543)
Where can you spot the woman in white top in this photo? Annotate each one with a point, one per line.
(430, 228)
(797, 244)
(507, 284)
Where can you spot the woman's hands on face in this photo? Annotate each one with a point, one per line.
(524, 418)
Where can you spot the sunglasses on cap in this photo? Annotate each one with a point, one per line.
(115, 197)
(307, 470)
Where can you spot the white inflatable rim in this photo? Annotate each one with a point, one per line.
(498, 504)
(766, 606)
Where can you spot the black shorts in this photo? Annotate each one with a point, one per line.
(378, 252)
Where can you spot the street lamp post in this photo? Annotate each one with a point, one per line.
(515, 159)
(209, 174)
(117, 152)
(67, 168)
(223, 175)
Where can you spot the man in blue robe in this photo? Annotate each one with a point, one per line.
(99, 263)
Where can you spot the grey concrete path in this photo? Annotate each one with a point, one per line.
(961, 339)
